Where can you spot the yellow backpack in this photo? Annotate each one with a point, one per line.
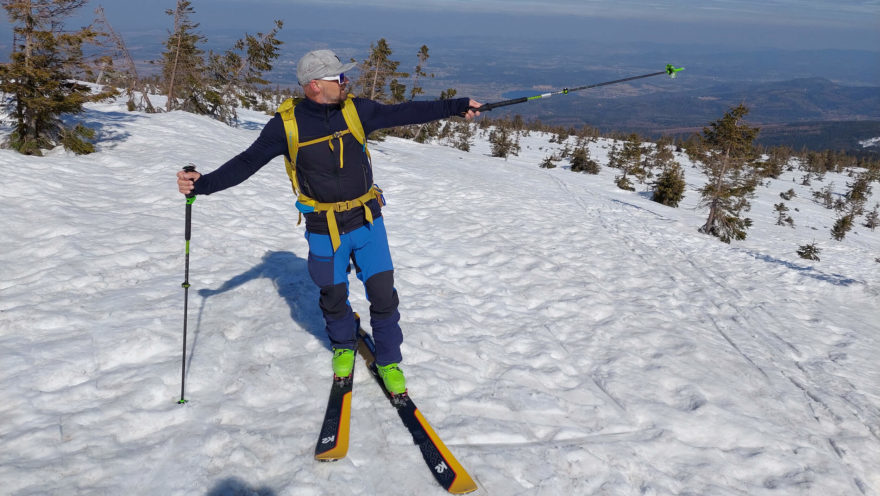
(307, 205)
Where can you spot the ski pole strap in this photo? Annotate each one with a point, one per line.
(307, 205)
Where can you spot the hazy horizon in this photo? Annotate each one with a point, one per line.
(782, 24)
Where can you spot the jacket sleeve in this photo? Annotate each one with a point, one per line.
(375, 115)
(268, 145)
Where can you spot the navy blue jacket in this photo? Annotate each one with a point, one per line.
(317, 166)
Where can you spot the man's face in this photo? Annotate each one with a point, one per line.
(333, 91)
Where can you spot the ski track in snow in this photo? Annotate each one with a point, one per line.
(562, 336)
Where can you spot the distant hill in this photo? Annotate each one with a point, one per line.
(811, 112)
(843, 135)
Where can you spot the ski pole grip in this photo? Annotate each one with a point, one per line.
(489, 106)
(189, 168)
(485, 107)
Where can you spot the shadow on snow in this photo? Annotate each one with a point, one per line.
(836, 279)
(105, 124)
(290, 276)
(234, 486)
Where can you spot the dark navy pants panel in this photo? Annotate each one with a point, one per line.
(368, 248)
(382, 295)
(338, 316)
(388, 338)
(384, 317)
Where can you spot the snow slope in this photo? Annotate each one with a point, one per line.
(562, 336)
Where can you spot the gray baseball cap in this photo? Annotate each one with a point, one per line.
(318, 64)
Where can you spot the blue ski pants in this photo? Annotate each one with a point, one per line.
(367, 249)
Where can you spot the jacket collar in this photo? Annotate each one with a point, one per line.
(314, 106)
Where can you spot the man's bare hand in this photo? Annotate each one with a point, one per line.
(185, 181)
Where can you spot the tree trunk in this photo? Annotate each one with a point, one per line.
(375, 80)
(168, 105)
(28, 118)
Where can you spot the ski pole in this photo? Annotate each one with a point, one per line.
(670, 70)
(190, 198)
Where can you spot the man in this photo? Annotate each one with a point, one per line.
(334, 173)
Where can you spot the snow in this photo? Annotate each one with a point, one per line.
(870, 142)
(562, 336)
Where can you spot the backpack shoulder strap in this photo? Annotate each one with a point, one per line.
(353, 121)
(291, 131)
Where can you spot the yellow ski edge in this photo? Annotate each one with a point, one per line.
(463, 483)
(341, 448)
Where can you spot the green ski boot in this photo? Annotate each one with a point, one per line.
(393, 378)
(343, 362)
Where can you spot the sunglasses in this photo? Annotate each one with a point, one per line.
(339, 79)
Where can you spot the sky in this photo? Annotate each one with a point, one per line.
(773, 23)
(781, 11)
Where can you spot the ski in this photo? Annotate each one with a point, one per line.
(446, 469)
(333, 440)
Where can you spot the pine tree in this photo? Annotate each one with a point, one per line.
(853, 204)
(128, 78)
(670, 186)
(427, 131)
(503, 143)
(661, 156)
(614, 156)
(788, 195)
(377, 72)
(726, 159)
(183, 66)
(842, 226)
(419, 72)
(783, 218)
(858, 194)
(448, 93)
(445, 131)
(581, 161)
(39, 77)
(422, 132)
(235, 77)
(809, 251)
(782, 156)
(624, 183)
(630, 162)
(872, 219)
(464, 136)
(826, 195)
(548, 163)
(693, 148)
(398, 91)
(771, 167)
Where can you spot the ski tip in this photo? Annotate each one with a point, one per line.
(325, 458)
(463, 487)
(328, 457)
